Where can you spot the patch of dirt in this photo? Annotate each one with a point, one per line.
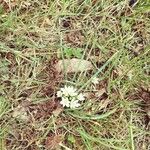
(25, 131)
(66, 23)
(44, 110)
(143, 95)
(40, 111)
(10, 57)
(8, 5)
(22, 138)
(52, 78)
(26, 134)
(5, 5)
(102, 93)
(75, 38)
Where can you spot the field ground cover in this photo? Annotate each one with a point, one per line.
(110, 39)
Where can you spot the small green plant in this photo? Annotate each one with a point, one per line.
(71, 139)
(4, 66)
(1, 10)
(73, 52)
(4, 106)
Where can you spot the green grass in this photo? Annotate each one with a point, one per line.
(113, 36)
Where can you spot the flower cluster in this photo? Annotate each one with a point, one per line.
(70, 97)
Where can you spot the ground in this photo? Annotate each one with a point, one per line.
(112, 35)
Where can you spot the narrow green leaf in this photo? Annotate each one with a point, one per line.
(92, 117)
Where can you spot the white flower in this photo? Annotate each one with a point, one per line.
(70, 97)
(81, 97)
(95, 80)
(74, 104)
(59, 93)
(69, 91)
(65, 102)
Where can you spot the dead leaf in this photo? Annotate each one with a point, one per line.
(145, 95)
(73, 65)
(52, 142)
(89, 95)
(100, 92)
(75, 38)
(147, 110)
(104, 104)
(57, 111)
(45, 22)
(43, 110)
(21, 113)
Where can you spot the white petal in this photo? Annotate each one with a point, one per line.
(72, 91)
(74, 104)
(80, 97)
(65, 102)
(59, 94)
(65, 91)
